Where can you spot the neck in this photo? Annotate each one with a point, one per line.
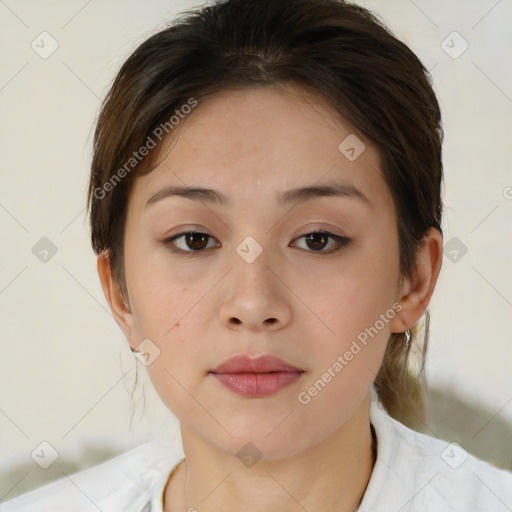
(331, 475)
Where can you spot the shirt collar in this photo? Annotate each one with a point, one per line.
(156, 502)
(384, 477)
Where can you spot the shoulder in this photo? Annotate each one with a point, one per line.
(416, 472)
(124, 482)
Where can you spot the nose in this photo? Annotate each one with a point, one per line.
(254, 298)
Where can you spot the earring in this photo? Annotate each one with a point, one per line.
(407, 338)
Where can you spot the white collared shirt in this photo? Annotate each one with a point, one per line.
(413, 473)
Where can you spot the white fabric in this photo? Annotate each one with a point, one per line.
(413, 473)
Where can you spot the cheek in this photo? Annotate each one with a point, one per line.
(352, 298)
(155, 292)
(356, 308)
(181, 365)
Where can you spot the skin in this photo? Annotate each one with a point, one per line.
(201, 308)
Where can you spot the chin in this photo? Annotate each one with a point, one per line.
(263, 438)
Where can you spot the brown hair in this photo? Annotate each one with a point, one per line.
(339, 51)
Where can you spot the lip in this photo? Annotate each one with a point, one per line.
(260, 364)
(256, 377)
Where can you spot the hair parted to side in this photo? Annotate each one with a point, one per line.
(340, 52)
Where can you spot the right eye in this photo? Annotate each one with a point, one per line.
(194, 240)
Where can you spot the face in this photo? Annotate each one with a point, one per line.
(253, 280)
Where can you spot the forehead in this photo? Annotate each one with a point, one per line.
(254, 142)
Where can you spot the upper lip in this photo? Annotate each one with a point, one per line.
(260, 364)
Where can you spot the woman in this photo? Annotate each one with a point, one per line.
(265, 203)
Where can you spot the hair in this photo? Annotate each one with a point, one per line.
(340, 52)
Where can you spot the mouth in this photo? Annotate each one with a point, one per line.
(256, 377)
(261, 364)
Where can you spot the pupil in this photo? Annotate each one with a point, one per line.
(192, 240)
(312, 237)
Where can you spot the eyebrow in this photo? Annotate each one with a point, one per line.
(293, 196)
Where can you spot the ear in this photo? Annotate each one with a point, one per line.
(119, 307)
(415, 293)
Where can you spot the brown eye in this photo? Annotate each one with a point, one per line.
(318, 240)
(196, 241)
(189, 241)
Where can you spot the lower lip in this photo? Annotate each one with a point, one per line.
(257, 385)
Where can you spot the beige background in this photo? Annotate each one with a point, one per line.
(64, 358)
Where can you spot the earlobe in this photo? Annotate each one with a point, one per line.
(416, 292)
(120, 309)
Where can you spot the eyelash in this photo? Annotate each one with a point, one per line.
(340, 240)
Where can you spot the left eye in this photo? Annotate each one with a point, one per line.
(195, 241)
(317, 240)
